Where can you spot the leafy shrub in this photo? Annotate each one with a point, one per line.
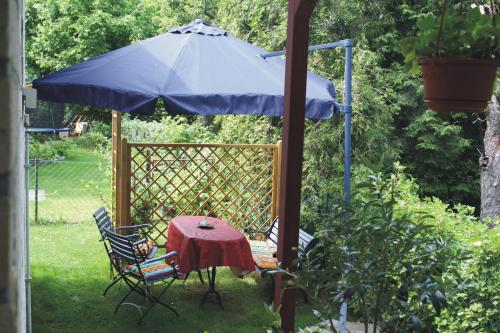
(101, 127)
(395, 261)
(92, 140)
(49, 149)
(169, 130)
(384, 259)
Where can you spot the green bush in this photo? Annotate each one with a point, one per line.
(405, 263)
(92, 140)
(170, 130)
(50, 149)
(385, 260)
(101, 128)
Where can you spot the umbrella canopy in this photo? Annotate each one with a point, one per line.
(196, 69)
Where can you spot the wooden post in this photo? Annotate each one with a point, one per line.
(299, 12)
(276, 180)
(124, 185)
(116, 128)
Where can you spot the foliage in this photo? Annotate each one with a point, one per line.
(443, 148)
(62, 33)
(475, 301)
(93, 140)
(47, 149)
(464, 33)
(430, 268)
(101, 127)
(394, 262)
(386, 98)
(235, 129)
(177, 129)
(275, 326)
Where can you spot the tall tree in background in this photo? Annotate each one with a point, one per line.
(390, 121)
(490, 162)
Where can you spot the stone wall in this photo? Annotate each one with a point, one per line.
(12, 198)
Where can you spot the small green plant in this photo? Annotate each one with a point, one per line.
(457, 32)
(275, 326)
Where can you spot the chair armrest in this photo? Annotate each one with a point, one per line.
(163, 257)
(131, 236)
(139, 242)
(137, 226)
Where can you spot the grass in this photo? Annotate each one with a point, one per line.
(73, 188)
(70, 270)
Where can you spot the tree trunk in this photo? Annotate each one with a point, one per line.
(490, 162)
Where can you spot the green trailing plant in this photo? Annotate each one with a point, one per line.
(459, 31)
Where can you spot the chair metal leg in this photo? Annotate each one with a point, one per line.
(156, 300)
(122, 301)
(115, 280)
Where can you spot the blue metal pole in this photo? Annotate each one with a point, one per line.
(342, 43)
(346, 108)
(347, 153)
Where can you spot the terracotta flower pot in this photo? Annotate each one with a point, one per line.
(458, 84)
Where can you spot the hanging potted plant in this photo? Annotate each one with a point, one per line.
(458, 52)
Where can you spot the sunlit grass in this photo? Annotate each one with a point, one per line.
(70, 270)
(71, 190)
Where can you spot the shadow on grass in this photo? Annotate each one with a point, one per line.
(70, 274)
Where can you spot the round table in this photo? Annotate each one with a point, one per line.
(208, 248)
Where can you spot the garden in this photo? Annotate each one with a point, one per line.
(413, 250)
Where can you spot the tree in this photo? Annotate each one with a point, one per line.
(490, 162)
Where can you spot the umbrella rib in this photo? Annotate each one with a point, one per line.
(177, 59)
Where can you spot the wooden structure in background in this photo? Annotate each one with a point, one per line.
(155, 182)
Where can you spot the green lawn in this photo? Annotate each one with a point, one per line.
(73, 189)
(70, 270)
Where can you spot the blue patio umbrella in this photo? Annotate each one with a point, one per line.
(196, 69)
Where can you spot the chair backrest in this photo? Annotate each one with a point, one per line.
(306, 241)
(103, 221)
(272, 233)
(123, 247)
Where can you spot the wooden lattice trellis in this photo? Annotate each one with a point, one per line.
(238, 183)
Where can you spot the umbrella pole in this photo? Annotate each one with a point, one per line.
(116, 138)
(299, 12)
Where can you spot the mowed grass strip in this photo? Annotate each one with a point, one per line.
(70, 271)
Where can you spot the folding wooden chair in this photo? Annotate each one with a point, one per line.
(141, 273)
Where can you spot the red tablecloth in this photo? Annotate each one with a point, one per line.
(202, 248)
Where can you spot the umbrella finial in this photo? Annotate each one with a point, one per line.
(201, 27)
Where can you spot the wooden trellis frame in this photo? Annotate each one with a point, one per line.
(156, 182)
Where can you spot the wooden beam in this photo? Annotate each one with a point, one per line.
(299, 12)
(124, 185)
(276, 179)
